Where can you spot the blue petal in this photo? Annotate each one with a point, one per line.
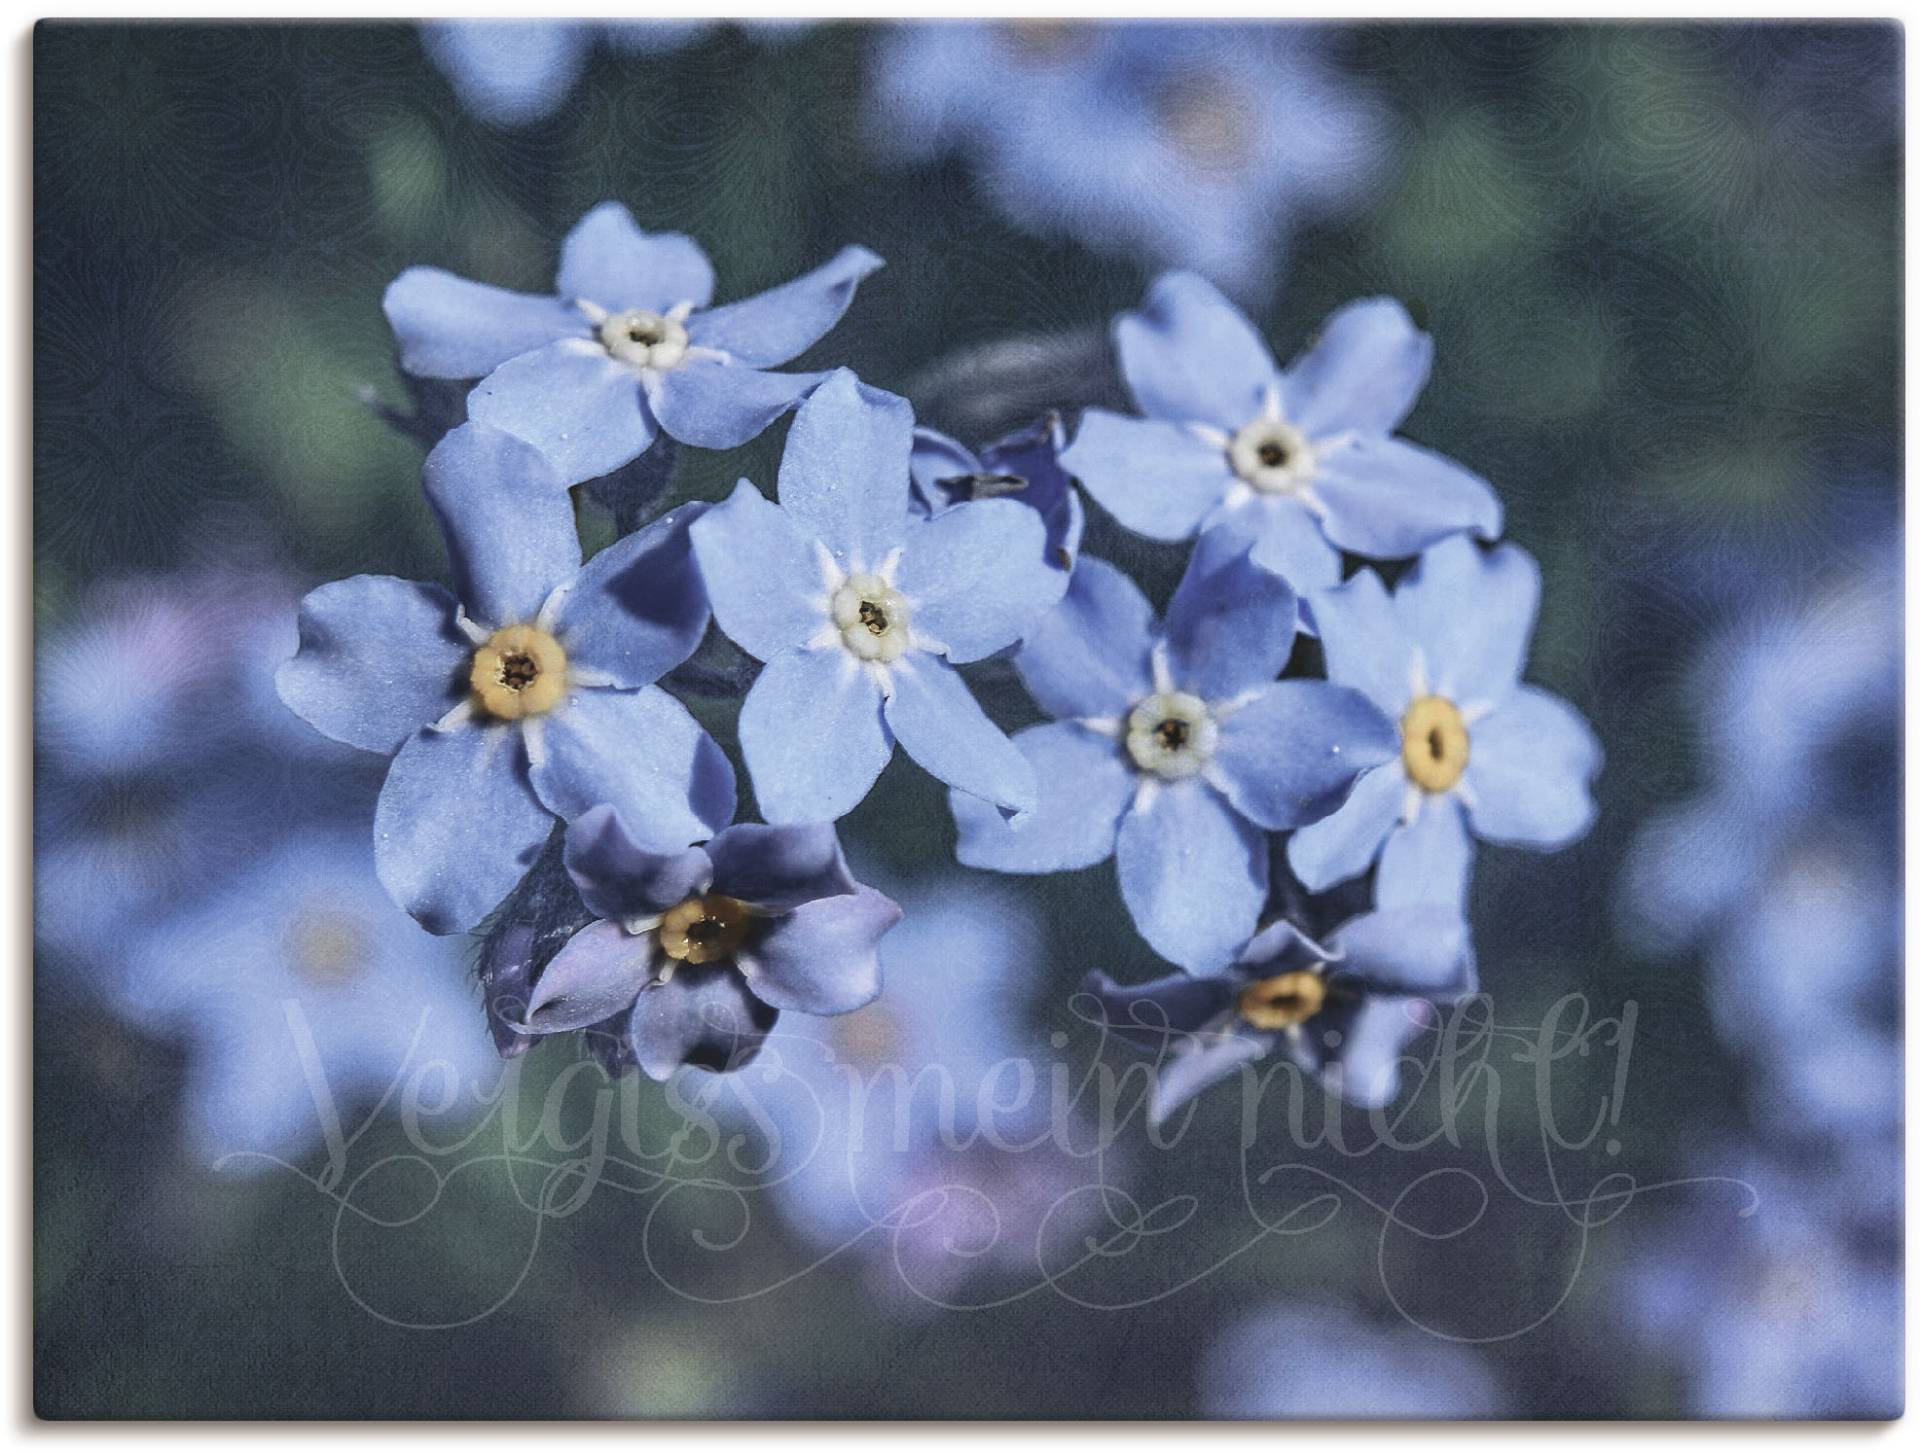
(935, 458)
(1089, 655)
(704, 1016)
(1366, 646)
(379, 658)
(1365, 1067)
(1230, 625)
(449, 327)
(812, 733)
(573, 402)
(977, 576)
(608, 260)
(599, 973)
(823, 957)
(1424, 950)
(785, 321)
(776, 869)
(1471, 613)
(1389, 499)
(1343, 845)
(1363, 374)
(641, 753)
(1203, 1061)
(1193, 874)
(617, 878)
(1191, 356)
(1153, 1015)
(1085, 787)
(712, 406)
(1280, 947)
(1428, 860)
(1156, 479)
(509, 73)
(638, 608)
(1288, 756)
(761, 571)
(510, 532)
(942, 727)
(844, 472)
(457, 825)
(1287, 540)
(1528, 766)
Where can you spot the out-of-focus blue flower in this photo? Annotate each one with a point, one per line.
(516, 72)
(303, 993)
(1342, 1011)
(1024, 467)
(861, 608)
(1303, 459)
(1174, 749)
(529, 696)
(626, 348)
(1442, 655)
(696, 952)
(1201, 146)
(1304, 1361)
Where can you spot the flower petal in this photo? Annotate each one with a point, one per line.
(1230, 625)
(1289, 541)
(641, 753)
(936, 457)
(599, 972)
(609, 261)
(617, 878)
(1190, 356)
(1084, 787)
(1528, 768)
(777, 869)
(457, 825)
(1423, 950)
(379, 658)
(1364, 1068)
(1289, 756)
(1089, 655)
(824, 956)
(844, 472)
(942, 727)
(812, 733)
(638, 608)
(573, 402)
(511, 538)
(1201, 1062)
(512, 72)
(1388, 498)
(703, 1016)
(1343, 845)
(1471, 613)
(1428, 860)
(715, 406)
(1193, 873)
(1362, 374)
(1365, 644)
(761, 572)
(449, 327)
(1280, 947)
(1154, 1014)
(1155, 478)
(977, 576)
(785, 321)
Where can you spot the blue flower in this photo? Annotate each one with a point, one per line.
(1304, 459)
(626, 349)
(1024, 467)
(861, 609)
(301, 992)
(529, 696)
(516, 72)
(1343, 1011)
(1174, 749)
(696, 952)
(1442, 656)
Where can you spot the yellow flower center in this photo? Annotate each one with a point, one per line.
(704, 929)
(1171, 735)
(1211, 123)
(1284, 1000)
(327, 947)
(872, 618)
(1433, 743)
(520, 671)
(644, 340)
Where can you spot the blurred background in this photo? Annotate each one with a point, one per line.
(1661, 266)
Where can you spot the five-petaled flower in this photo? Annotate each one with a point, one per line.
(626, 349)
(1301, 458)
(861, 609)
(531, 695)
(697, 951)
(1343, 1011)
(1442, 656)
(1174, 749)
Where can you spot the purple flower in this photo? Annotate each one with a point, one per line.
(529, 696)
(516, 72)
(1174, 750)
(1024, 467)
(1303, 459)
(627, 348)
(696, 952)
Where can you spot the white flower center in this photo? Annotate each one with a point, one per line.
(872, 618)
(1171, 735)
(1273, 456)
(642, 339)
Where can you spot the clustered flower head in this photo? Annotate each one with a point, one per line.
(548, 786)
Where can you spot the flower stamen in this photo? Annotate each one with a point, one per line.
(704, 929)
(872, 618)
(520, 671)
(1172, 735)
(1434, 743)
(1283, 1001)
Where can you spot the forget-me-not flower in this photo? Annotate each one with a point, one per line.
(1173, 748)
(861, 608)
(1302, 458)
(696, 952)
(1442, 656)
(516, 72)
(1024, 467)
(626, 349)
(1342, 1011)
(528, 694)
